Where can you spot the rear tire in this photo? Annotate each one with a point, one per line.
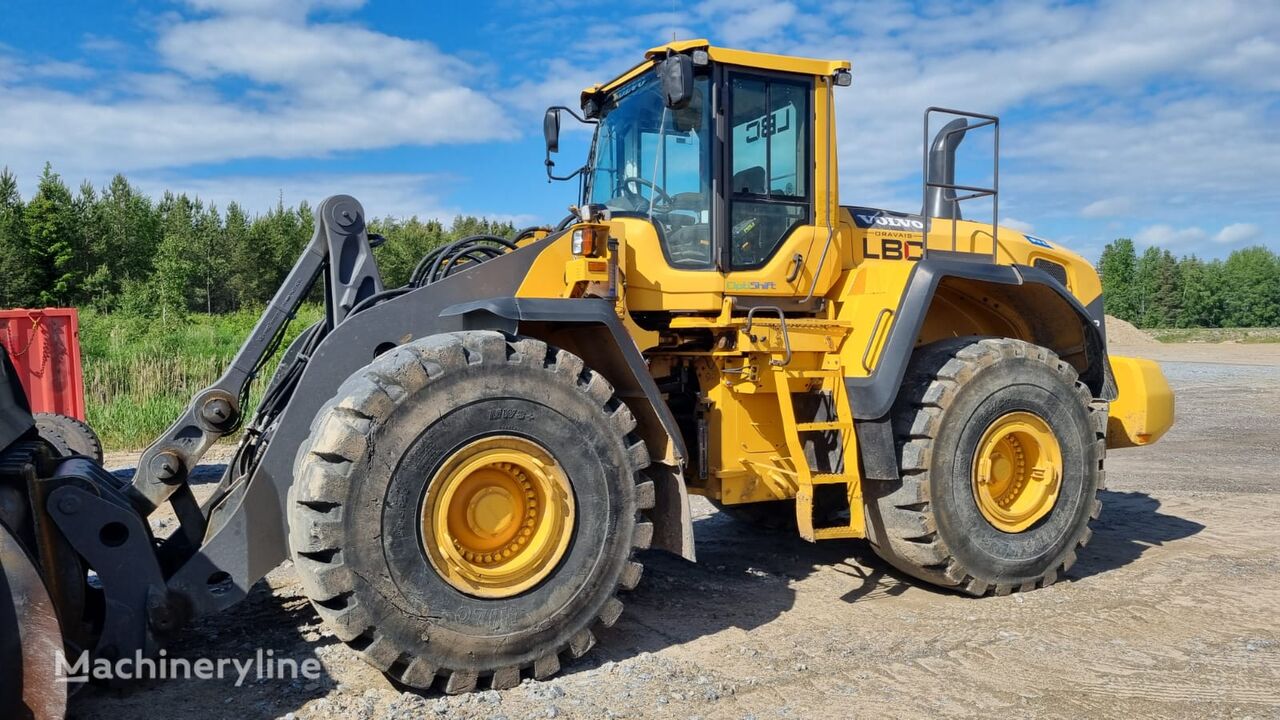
(69, 436)
(931, 523)
(378, 454)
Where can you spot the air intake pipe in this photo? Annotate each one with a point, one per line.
(941, 202)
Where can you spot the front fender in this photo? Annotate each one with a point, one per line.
(590, 328)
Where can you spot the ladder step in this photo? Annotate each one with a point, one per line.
(835, 533)
(814, 426)
(832, 479)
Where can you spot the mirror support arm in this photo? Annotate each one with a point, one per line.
(551, 132)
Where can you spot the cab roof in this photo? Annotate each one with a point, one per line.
(728, 56)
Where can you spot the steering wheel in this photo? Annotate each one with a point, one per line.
(660, 196)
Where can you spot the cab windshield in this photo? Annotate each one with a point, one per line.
(655, 162)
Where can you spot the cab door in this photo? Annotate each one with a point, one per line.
(771, 244)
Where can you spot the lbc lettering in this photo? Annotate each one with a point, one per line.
(893, 249)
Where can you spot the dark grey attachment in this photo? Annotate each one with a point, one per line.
(15, 413)
(103, 527)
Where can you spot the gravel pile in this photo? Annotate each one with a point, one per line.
(1120, 332)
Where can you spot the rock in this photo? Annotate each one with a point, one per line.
(547, 692)
(493, 697)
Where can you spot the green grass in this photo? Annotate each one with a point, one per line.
(1216, 335)
(139, 373)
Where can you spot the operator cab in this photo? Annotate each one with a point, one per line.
(655, 162)
(726, 189)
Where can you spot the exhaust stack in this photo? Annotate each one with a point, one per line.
(941, 202)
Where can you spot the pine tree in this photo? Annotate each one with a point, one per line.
(175, 268)
(1118, 268)
(1201, 303)
(407, 242)
(1251, 288)
(130, 234)
(51, 239)
(19, 276)
(210, 254)
(89, 254)
(237, 240)
(1145, 281)
(1166, 299)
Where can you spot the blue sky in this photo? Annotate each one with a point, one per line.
(1155, 120)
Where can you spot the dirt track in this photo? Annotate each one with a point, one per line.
(1172, 611)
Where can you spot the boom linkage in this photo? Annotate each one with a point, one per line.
(340, 244)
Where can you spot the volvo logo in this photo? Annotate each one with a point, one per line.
(888, 221)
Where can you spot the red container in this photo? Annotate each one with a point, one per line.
(45, 348)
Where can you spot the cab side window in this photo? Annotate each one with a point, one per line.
(769, 157)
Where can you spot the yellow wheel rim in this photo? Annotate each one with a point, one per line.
(497, 517)
(1017, 471)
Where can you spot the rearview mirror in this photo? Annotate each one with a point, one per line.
(676, 73)
(551, 130)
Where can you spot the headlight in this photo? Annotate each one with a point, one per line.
(589, 240)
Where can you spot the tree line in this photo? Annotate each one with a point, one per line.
(1155, 289)
(118, 250)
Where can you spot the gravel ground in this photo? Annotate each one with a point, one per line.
(1173, 610)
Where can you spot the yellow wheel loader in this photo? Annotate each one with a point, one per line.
(461, 469)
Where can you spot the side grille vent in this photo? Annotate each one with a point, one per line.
(1055, 271)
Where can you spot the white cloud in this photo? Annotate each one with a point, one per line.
(753, 24)
(1189, 238)
(1167, 236)
(1148, 114)
(1108, 207)
(1016, 224)
(1081, 77)
(1237, 233)
(250, 81)
(271, 8)
(382, 194)
(400, 195)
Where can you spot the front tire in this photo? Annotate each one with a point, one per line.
(439, 447)
(1000, 456)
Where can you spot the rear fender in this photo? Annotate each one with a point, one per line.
(1034, 306)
